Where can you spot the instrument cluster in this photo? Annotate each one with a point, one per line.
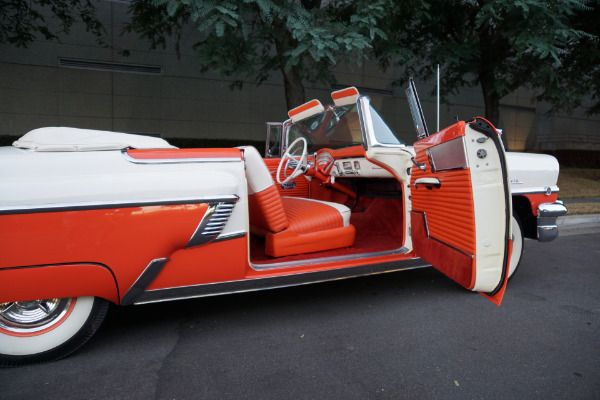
(349, 166)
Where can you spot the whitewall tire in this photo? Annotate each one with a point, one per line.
(48, 329)
(517, 250)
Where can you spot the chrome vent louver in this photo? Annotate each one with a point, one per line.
(212, 223)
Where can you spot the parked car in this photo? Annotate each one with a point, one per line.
(90, 218)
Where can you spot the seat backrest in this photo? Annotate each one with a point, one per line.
(264, 202)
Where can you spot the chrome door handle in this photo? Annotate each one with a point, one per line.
(429, 183)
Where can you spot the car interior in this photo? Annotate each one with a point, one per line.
(336, 203)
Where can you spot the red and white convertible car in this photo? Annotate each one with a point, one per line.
(92, 217)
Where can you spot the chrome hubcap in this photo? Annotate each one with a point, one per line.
(32, 316)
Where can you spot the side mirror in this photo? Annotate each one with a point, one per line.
(273, 142)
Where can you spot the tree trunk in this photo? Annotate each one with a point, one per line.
(292, 80)
(294, 89)
(491, 98)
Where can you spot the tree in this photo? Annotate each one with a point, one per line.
(498, 45)
(252, 39)
(22, 21)
(581, 65)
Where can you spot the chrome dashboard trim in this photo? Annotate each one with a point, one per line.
(179, 160)
(275, 282)
(101, 205)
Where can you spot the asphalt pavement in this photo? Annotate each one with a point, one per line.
(408, 335)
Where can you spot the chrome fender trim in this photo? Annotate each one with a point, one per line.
(102, 205)
(143, 281)
(251, 285)
(178, 160)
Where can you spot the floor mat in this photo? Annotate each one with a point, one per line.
(379, 227)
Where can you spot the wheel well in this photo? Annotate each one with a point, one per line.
(55, 281)
(522, 209)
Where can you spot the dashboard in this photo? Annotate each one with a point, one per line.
(348, 163)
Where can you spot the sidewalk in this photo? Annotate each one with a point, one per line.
(578, 224)
(582, 200)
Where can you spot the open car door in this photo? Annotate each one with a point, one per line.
(461, 206)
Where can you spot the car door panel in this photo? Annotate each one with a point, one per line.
(461, 225)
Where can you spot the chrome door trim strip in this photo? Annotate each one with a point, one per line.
(230, 236)
(93, 205)
(466, 253)
(251, 285)
(524, 191)
(143, 281)
(355, 256)
(179, 160)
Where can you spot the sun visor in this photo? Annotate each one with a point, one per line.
(345, 96)
(306, 110)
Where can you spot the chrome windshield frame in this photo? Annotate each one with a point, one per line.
(366, 125)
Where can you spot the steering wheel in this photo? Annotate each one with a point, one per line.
(301, 164)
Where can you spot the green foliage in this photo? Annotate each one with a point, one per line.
(21, 22)
(251, 39)
(154, 24)
(580, 68)
(500, 45)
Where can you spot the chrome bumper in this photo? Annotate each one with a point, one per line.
(547, 230)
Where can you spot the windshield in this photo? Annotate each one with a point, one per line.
(337, 127)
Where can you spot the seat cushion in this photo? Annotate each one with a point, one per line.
(313, 226)
(342, 209)
(305, 216)
(288, 242)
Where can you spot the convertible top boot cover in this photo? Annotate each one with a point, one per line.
(292, 225)
(63, 139)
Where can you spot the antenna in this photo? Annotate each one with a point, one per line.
(437, 129)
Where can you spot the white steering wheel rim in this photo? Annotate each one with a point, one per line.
(286, 159)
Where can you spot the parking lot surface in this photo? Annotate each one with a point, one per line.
(413, 334)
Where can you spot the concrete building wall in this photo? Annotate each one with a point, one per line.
(178, 101)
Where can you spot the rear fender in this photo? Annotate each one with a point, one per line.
(55, 281)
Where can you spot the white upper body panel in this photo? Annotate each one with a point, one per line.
(532, 173)
(31, 179)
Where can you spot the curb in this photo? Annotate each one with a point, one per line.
(578, 224)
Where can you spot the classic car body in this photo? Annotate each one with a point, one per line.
(90, 217)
